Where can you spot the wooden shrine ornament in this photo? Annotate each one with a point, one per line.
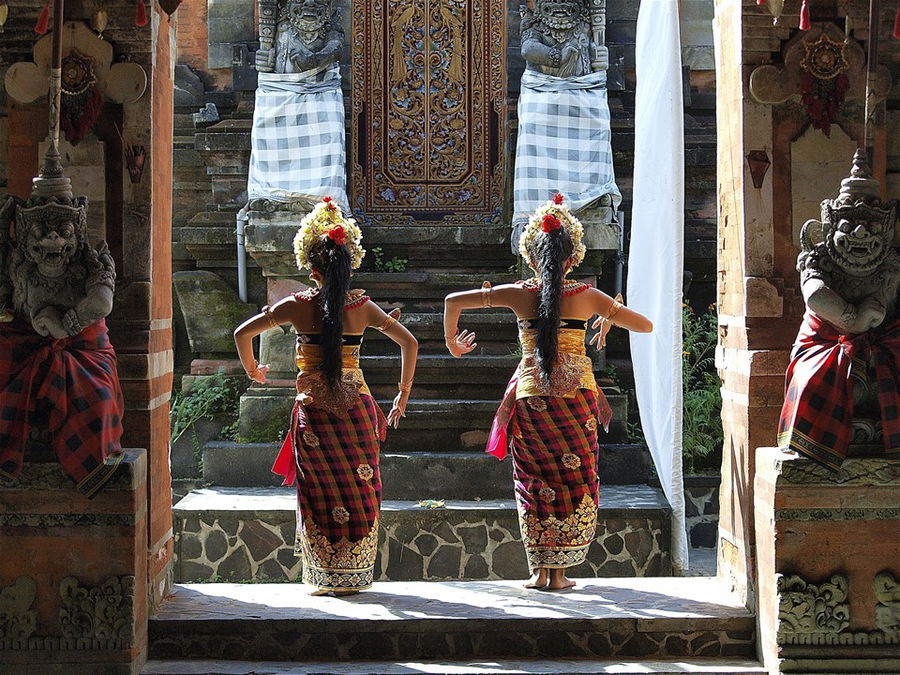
(89, 77)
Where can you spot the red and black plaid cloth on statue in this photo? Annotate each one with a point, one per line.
(68, 386)
(818, 405)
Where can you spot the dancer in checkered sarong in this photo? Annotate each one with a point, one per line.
(332, 449)
(552, 408)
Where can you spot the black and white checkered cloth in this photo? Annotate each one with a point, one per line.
(564, 142)
(297, 140)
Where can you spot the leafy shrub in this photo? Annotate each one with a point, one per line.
(383, 264)
(208, 397)
(702, 422)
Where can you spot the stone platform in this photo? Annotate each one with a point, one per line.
(693, 666)
(419, 474)
(247, 534)
(625, 619)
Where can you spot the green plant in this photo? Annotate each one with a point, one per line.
(702, 423)
(209, 396)
(383, 264)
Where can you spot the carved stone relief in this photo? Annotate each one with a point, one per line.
(103, 613)
(810, 614)
(805, 608)
(887, 611)
(17, 620)
(852, 472)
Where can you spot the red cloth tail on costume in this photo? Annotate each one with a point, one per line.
(498, 441)
(286, 462)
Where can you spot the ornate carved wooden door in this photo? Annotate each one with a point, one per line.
(429, 111)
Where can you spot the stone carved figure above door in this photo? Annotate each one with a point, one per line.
(429, 85)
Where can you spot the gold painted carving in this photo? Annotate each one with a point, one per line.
(428, 107)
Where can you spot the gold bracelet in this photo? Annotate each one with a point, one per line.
(251, 373)
(267, 312)
(387, 323)
(486, 294)
(450, 338)
(404, 388)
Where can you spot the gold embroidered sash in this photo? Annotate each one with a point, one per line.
(312, 389)
(573, 369)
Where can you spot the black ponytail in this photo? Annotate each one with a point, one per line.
(332, 261)
(554, 248)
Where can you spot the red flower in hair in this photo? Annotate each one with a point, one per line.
(329, 203)
(558, 198)
(338, 235)
(550, 223)
(326, 199)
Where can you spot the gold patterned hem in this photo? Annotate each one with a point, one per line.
(556, 558)
(576, 531)
(333, 580)
(335, 557)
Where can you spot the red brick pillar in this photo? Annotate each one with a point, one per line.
(141, 323)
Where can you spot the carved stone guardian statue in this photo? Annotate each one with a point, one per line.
(57, 367)
(564, 121)
(297, 140)
(843, 382)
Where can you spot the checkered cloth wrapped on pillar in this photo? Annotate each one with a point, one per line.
(297, 141)
(818, 406)
(69, 386)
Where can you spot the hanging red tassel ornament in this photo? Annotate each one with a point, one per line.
(43, 20)
(760, 2)
(896, 32)
(804, 15)
(140, 15)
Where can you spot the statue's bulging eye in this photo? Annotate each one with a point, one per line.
(845, 226)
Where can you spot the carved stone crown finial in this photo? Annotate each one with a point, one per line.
(859, 185)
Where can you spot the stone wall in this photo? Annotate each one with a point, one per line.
(229, 535)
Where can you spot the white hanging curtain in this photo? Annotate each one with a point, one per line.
(656, 260)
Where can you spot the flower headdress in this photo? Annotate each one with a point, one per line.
(552, 216)
(326, 221)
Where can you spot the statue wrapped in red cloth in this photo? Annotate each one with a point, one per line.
(843, 382)
(58, 378)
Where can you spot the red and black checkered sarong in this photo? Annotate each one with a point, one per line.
(338, 491)
(554, 449)
(818, 406)
(69, 387)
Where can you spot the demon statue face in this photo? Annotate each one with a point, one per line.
(308, 36)
(851, 277)
(558, 38)
(53, 277)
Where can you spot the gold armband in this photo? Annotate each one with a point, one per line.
(486, 294)
(270, 318)
(387, 323)
(616, 306)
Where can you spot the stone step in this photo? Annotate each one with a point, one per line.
(536, 666)
(624, 619)
(448, 475)
(433, 422)
(247, 534)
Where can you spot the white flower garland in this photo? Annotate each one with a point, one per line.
(316, 225)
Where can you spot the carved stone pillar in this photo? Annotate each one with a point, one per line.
(829, 596)
(73, 573)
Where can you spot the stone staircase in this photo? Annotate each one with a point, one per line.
(682, 625)
(240, 527)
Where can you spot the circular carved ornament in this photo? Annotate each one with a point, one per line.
(825, 58)
(77, 73)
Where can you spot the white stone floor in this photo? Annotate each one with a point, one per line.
(487, 667)
(675, 599)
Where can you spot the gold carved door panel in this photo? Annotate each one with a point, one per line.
(429, 110)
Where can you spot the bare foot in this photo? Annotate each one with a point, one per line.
(559, 581)
(331, 591)
(319, 592)
(340, 594)
(538, 579)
